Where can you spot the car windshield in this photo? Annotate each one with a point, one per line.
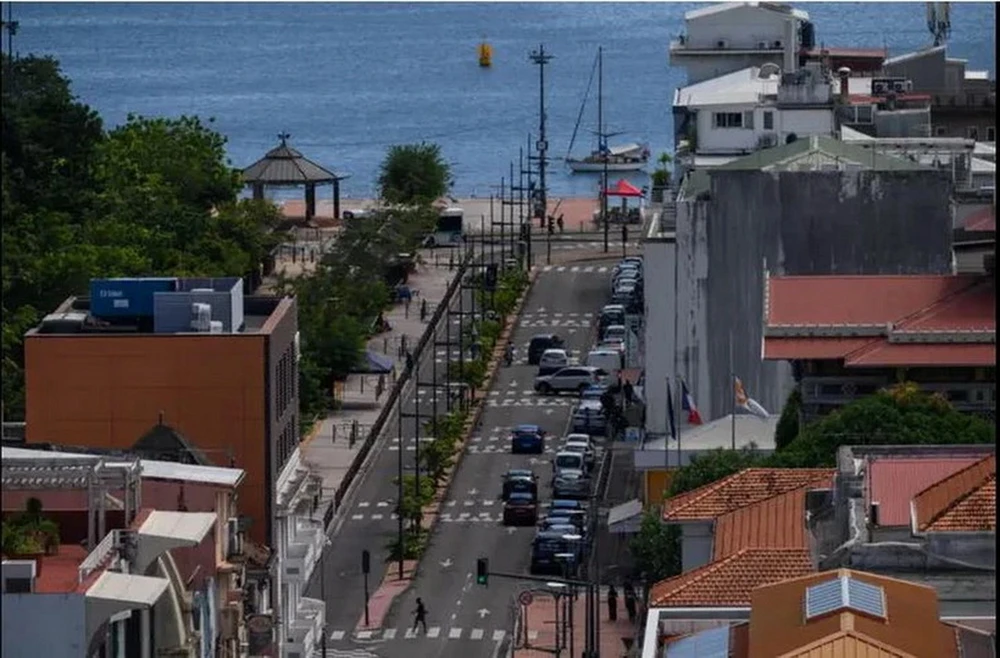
(567, 461)
(520, 498)
(521, 483)
(519, 473)
(574, 447)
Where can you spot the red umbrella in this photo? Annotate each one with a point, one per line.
(624, 188)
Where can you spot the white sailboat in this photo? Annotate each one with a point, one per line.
(623, 157)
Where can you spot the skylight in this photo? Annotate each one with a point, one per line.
(845, 592)
(713, 643)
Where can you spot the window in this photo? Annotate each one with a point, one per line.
(972, 132)
(940, 131)
(768, 120)
(991, 134)
(728, 120)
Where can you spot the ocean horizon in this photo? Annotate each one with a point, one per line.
(347, 80)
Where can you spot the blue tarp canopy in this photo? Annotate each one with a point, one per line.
(375, 364)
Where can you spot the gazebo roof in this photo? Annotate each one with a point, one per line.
(283, 165)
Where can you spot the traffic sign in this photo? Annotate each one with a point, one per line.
(525, 597)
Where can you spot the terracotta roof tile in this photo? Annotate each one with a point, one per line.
(965, 501)
(778, 521)
(902, 304)
(893, 482)
(729, 581)
(740, 489)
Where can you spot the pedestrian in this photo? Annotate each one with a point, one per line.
(559, 222)
(630, 602)
(420, 616)
(409, 361)
(629, 393)
(612, 603)
(423, 310)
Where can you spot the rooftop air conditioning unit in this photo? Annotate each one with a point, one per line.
(215, 327)
(721, 43)
(201, 317)
(762, 45)
(778, 44)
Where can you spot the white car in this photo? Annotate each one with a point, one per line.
(553, 360)
(614, 332)
(573, 378)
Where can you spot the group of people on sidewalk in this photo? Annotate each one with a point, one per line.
(630, 602)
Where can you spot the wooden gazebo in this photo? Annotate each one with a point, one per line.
(283, 166)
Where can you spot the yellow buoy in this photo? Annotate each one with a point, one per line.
(485, 55)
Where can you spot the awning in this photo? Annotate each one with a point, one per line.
(624, 188)
(163, 531)
(626, 518)
(136, 591)
(375, 364)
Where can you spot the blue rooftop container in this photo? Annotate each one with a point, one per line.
(127, 297)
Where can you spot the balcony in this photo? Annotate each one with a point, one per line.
(306, 629)
(682, 47)
(824, 392)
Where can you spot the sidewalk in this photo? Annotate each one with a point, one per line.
(329, 450)
(540, 630)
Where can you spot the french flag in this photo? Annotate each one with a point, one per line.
(688, 405)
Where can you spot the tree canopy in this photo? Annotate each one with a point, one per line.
(414, 174)
(150, 197)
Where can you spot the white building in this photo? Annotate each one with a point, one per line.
(723, 38)
(299, 539)
(757, 107)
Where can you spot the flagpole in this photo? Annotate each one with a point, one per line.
(666, 437)
(732, 388)
(677, 414)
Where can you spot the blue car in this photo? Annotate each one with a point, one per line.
(527, 438)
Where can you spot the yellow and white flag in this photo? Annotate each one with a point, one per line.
(744, 401)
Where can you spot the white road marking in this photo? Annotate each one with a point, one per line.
(389, 634)
(364, 504)
(337, 636)
(433, 632)
(476, 634)
(454, 633)
(498, 635)
(364, 635)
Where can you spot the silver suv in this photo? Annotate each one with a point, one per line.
(574, 379)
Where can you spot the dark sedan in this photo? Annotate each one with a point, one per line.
(520, 509)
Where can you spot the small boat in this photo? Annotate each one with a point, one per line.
(625, 157)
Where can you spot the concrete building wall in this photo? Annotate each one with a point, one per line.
(659, 258)
(808, 223)
(927, 73)
(743, 27)
(801, 122)
(706, 67)
(692, 304)
(107, 391)
(50, 625)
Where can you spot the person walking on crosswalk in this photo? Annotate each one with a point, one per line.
(420, 616)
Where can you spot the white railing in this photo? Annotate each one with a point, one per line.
(97, 557)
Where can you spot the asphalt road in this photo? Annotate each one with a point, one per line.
(369, 522)
(465, 619)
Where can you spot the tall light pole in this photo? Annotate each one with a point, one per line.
(602, 143)
(541, 58)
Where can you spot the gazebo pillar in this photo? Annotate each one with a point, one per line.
(310, 200)
(258, 192)
(336, 198)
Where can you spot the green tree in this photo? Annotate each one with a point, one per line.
(656, 547)
(711, 466)
(902, 414)
(414, 174)
(788, 424)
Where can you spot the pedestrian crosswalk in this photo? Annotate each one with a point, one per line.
(537, 401)
(433, 633)
(592, 244)
(585, 269)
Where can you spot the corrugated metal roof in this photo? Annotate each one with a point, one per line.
(893, 483)
(139, 591)
(161, 470)
(736, 88)
(775, 157)
(187, 526)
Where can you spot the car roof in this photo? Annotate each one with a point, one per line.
(570, 473)
(544, 336)
(520, 495)
(613, 307)
(520, 472)
(555, 350)
(613, 326)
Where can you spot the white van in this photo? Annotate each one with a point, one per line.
(610, 361)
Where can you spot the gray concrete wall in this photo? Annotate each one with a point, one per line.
(696, 545)
(926, 73)
(800, 223)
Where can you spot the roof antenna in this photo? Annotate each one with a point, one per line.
(160, 421)
(283, 136)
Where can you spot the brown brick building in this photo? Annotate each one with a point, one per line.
(228, 385)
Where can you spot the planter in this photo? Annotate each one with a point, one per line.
(33, 557)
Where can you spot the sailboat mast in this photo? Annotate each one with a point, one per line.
(600, 98)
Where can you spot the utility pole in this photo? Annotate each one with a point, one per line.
(541, 58)
(10, 25)
(602, 143)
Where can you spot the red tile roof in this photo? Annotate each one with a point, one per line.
(778, 521)
(870, 321)
(984, 219)
(893, 482)
(59, 573)
(729, 581)
(965, 501)
(747, 487)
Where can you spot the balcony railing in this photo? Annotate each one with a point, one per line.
(682, 46)
(99, 556)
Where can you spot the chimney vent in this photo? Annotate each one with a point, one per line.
(845, 85)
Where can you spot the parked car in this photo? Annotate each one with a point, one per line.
(571, 485)
(562, 517)
(568, 461)
(573, 378)
(582, 445)
(616, 345)
(610, 361)
(527, 438)
(552, 360)
(539, 343)
(588, 418)
(548, 550)
(519, 481)
(613, 332)
(611, 314)
(593, 392)
(520, 509)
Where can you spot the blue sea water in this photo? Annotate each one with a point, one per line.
(347, 80)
